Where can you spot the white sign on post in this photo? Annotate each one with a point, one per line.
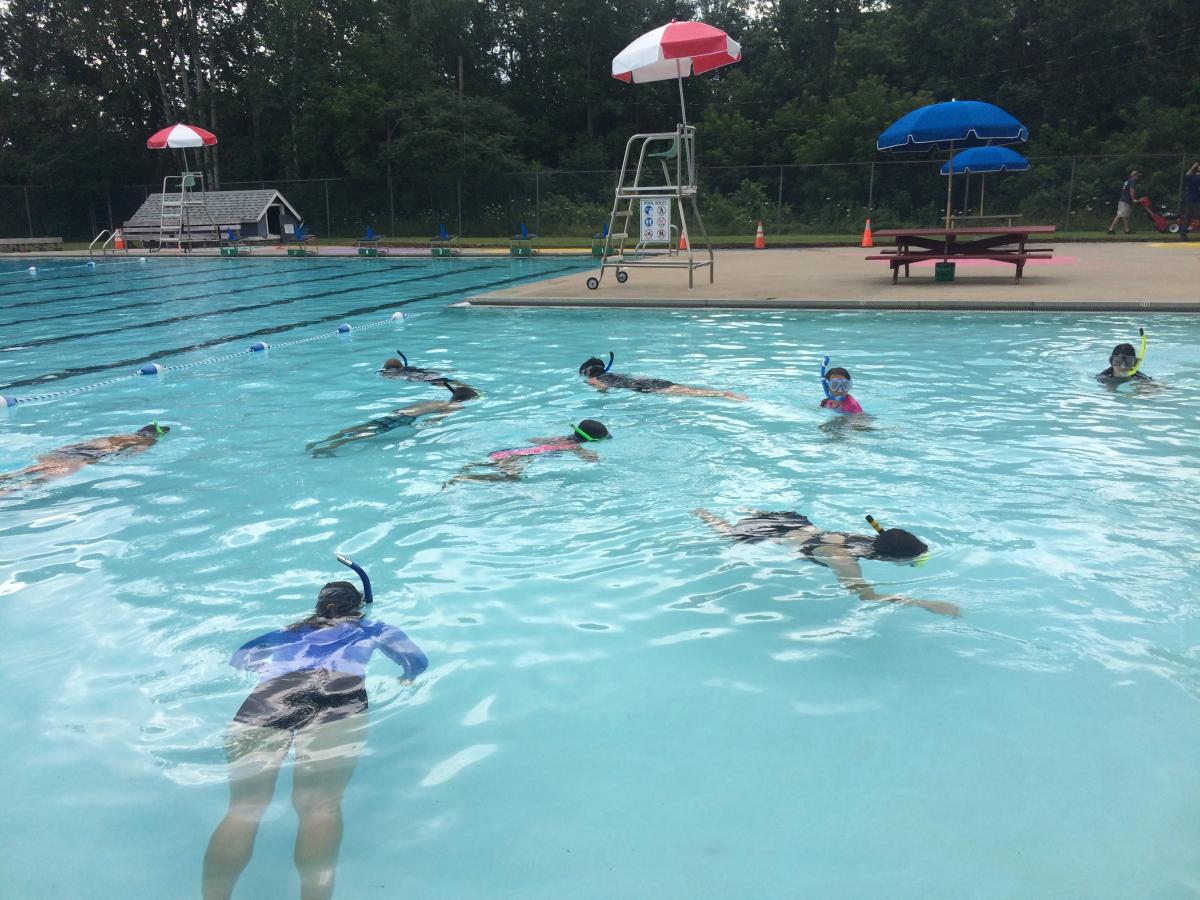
(656, 220)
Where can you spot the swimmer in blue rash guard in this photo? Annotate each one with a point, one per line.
(312, 696)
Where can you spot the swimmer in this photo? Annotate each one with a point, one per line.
(70, 459)
(399, 368)
(312, 696)
(837, 550)
(510, 464)
(431, 410)
(599, 377)
(836, 384)
(1124, 364)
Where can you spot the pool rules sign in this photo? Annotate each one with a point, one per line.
(656, 220)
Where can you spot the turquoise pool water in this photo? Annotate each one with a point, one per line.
(619, 703)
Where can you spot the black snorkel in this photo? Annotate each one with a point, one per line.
(368, 597)
(611, 357)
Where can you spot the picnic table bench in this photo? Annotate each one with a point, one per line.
(17, 245)
(999, 243)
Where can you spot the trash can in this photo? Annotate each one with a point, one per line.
(943, 271)
(598, 241)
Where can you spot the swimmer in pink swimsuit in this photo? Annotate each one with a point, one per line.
(510, 464)
(836, 382)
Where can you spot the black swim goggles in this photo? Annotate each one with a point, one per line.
(1125, 362)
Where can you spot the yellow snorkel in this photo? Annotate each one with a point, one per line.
(919, 561)
(1141, 355)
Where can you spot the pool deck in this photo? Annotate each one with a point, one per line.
(1082, 277)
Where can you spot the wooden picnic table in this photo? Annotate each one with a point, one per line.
(998, 242)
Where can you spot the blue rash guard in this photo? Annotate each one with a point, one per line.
(345, 647)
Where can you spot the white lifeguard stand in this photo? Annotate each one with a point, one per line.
(643, 204)
(184, 209)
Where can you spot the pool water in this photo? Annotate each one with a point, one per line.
(619, 701)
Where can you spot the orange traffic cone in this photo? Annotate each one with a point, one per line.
(683, 245)
(119, 240)
(868, 240)
(759, 242)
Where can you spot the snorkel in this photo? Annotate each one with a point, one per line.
(879, 529)
(1141, 355)
(612, 356)
(403, 359)
(583, 434)
(368, 597)
(824, 380)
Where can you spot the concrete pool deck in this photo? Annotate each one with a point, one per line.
(1103, 277)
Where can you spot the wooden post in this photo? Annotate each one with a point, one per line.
(28, 215)
(460, 228)
(779, 203)
(328, 221)
(871, 192)
(537, 199)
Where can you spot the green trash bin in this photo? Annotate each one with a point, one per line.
(943, 271)
(598, 242)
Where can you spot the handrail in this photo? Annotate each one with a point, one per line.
(98, 237)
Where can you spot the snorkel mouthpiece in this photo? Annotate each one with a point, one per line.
(368, 597)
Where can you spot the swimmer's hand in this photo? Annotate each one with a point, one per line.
(740, 398)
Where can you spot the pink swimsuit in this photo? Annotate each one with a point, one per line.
(849, 406)
(532, 451)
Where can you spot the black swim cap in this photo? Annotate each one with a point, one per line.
(896, 543)
(593, 429)
(338, 598)
(462, 392)
(592, 367)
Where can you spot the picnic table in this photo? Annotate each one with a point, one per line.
(1000, 243)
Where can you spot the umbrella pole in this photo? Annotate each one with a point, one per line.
(682, 104)
(982, 185)
(949, 183)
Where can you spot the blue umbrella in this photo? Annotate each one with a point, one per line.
(955, 125)
(981, 161)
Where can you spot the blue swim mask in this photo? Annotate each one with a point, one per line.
(839, 386)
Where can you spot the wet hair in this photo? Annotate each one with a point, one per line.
(459, 392)
(593, 429)
(393, 363)
(896, 543)
(592, 366)
(337, 601)
(1123, 350)
(836, 372)
(153, 429)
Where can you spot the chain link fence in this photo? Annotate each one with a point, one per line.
(1076, 193)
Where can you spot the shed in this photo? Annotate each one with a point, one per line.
(255, 215)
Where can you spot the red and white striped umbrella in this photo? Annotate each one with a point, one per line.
(675, 50)
(180, 137)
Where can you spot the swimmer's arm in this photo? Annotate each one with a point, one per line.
(685, 390)
(397, 646)
(713, 521)
(253, 654)
(598, 385)
(849, 575)
(421, 409)
(585, 453)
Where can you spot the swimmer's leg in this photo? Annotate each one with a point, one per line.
(255, 755)
(326, 756)
(683, 390)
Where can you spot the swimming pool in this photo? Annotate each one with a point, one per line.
(618, 701)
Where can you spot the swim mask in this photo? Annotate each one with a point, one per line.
(839, 385)
(1124, 362)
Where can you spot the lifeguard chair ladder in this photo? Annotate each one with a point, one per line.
(638, 184)
(178, 216)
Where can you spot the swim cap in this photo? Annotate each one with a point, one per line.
(338, 598)
(154, 429)
(591, 430)
(592, 366)
(896, 543)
